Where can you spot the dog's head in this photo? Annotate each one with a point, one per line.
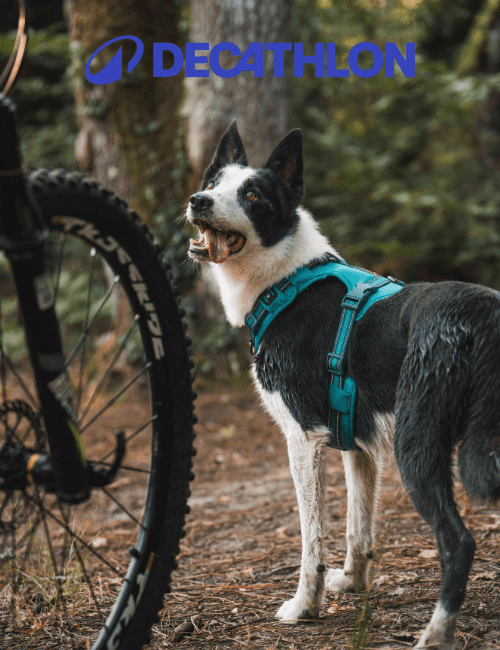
(240, 208)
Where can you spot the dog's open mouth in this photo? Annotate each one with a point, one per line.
(215, 244)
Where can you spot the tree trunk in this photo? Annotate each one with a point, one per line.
(261, 105)
(128, 128)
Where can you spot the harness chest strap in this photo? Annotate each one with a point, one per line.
(363, 290)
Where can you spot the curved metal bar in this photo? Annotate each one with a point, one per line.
(11, 70)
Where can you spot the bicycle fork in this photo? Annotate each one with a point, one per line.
(22, 237)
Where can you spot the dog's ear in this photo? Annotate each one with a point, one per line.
(286, 162)
(229, 151)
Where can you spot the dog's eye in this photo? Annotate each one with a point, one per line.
(251, 196)
(211, 186)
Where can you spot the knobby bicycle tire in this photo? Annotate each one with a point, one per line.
(77, 207)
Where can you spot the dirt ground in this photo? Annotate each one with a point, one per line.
(240, 559)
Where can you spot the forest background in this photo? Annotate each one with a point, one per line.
(403, 173)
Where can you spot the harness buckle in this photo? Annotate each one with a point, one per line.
(269, 297)
(335, 363)
(353, 303)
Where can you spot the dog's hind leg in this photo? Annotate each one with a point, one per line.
(306, 451)
(429, 413)
(430, 488)
(361, 471)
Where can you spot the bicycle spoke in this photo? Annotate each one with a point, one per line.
(77, 538)
(84, 570)
(27, 433)
(14, 428)
(110, 366)
(53, 561)
(29, 535)
(116, 397)
(5, 501)
(21, 382)
(122, 508)
(103, 302)
(84, 344)
(132, 435)
(127, 467)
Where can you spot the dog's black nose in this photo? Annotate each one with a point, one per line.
(200, 202)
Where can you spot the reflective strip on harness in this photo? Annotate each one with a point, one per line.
(363, 290)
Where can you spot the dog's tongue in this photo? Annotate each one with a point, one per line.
(217, 244)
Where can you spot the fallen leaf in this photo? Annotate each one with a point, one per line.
(483, 576)
(428, 554)
(397, 591)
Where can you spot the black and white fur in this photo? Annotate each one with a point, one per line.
(426, 362)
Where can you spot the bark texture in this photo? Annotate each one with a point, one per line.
(261, 105)
(128, 128)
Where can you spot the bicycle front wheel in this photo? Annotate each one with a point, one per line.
(93, 575)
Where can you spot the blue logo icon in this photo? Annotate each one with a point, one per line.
(113, 70)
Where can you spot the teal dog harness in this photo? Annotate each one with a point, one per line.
(363, 290)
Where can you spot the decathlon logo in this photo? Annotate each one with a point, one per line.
(113, 70)
(324, 60)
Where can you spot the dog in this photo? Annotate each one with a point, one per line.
(425, 362)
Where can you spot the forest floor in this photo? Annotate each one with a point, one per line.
(240, 559)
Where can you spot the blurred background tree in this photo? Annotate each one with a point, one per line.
(261, 104)
(403, 173)
(130, 134)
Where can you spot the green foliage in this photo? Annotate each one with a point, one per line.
(44, 98)
(396, 167)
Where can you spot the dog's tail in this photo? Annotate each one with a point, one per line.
(479, 444)
(479, 466)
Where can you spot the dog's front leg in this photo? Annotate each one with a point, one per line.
(361, 472)
(307, 462)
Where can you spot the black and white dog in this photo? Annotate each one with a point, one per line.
(426, 362)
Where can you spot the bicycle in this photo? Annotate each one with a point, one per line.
(96, 418)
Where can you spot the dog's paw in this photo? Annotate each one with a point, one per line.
(336, 580)
(435, 640)
(297, 609)
(440, 632)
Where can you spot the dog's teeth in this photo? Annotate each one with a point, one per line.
(218, 248)
(201, 243)
(219, 244)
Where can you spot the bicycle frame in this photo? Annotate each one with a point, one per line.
(22, 237)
